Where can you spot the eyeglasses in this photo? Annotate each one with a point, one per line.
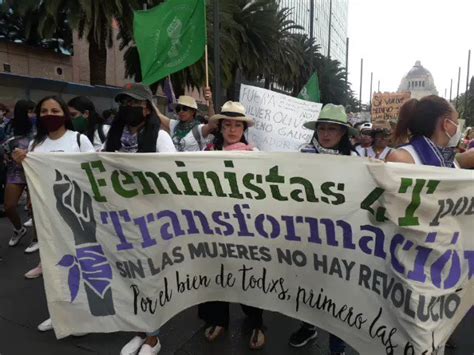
(182, 108)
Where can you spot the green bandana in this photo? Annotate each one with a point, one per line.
(181, 130)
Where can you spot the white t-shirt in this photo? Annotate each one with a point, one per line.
(189, 143)
(365, 152)
(164, 143)
(66, 144)
(382, 155)
(97, 143)
(416, 158)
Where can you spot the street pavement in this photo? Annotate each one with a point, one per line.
(23, 307)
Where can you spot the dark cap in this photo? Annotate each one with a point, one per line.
(136, 91)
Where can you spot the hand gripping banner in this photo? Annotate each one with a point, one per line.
(381, 255)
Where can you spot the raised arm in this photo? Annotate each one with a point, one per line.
(209, 126)
(165, 121)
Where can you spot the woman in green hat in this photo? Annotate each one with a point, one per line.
(332, 134)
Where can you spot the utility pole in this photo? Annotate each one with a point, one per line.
(378, 87)
(311, 33)
(466, 95)
(459, 81)
(361, 77)
(217, 58)
(370, 98)
(347, 58)
(451, 91)
(330, 27)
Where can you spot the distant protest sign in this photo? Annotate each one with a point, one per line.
(386, 106)
(278, 119)
(380, 254)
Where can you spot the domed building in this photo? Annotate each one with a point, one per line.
(419, 82)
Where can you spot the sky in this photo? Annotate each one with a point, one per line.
(391, 35)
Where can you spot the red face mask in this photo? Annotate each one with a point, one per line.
(52, 122)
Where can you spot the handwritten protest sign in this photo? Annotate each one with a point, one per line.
(383, 257)
(386, 106)
(278, 119)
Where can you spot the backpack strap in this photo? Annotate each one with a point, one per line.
(78, 139)
(100, 130)
(197, 135)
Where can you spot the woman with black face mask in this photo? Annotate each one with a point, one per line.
(136, 128)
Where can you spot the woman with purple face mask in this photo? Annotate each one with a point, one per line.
(54, 134)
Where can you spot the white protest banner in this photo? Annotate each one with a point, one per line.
(382, 256)
(278, 119)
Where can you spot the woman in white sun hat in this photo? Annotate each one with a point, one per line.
(187, 132)
(232, 124)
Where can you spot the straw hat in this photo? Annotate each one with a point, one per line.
(331, 113)
(187, 101)
(232, 110)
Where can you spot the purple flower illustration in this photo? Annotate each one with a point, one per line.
(92, 266)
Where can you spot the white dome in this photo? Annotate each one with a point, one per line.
(419, 82)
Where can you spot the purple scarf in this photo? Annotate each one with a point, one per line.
(431, 154)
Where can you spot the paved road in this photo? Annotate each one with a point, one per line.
(23, 307)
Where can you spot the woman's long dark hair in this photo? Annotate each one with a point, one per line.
(41, 131)
(83, 104)
(218, 141)
(21, 123)
(420, 117)
(345, 146)
(146, 139)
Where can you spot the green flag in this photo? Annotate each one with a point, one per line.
(310, 91)
(169, 37)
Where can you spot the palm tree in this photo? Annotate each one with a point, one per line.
(91, 19)
(252, 35)
(466, 111)
(16, 28)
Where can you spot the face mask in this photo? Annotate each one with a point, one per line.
(454, 139)
(80, 124)
(132, 116)
(52, 122)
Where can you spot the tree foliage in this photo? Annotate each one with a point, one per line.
(466, 109)
(258, 42)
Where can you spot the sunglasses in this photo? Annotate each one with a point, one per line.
(183, 108)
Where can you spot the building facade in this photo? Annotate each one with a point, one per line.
(328, 14)
(419, 82)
